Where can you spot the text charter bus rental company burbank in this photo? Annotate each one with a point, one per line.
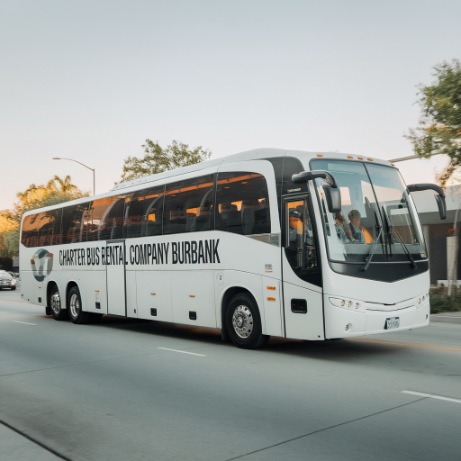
(267, 242)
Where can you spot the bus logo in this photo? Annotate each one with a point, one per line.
(42, 264)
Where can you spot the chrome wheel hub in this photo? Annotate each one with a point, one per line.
(74, 306)
(242, 321)
(55, 302)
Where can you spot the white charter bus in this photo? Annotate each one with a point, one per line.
(255, 244)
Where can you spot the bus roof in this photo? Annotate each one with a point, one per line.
(255, 154)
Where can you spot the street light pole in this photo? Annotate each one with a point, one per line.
(411, 157)
(86, 166)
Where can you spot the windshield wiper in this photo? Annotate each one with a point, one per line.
(379, 226)
(373, 248)
(391, 231)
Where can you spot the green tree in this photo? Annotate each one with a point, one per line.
(62, 185)
(57, 190)
(8, 232)
(158, 159)
(439, 130)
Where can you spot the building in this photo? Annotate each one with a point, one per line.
(441, 236)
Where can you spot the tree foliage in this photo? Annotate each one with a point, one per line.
(57, 190)
(158, 159)
(439, 130)
(8, 235)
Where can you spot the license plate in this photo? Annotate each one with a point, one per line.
(391, 323)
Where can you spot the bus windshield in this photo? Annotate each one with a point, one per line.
(377, 222)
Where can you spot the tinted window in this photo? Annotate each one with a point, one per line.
(42, 229)
(72, 222)
(111, 223)
(189, 206)
(93, 219)
(242, 203)
(144, 213)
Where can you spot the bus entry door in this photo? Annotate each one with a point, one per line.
(116, 281)
(302, 277)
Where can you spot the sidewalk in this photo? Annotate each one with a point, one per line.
(447, 317)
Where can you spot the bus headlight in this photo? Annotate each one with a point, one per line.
(349, 304)
(422, 300)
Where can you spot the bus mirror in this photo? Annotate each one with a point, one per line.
(439, 198)
(333, 197)
(442, 206)
(331, 189)
(311, 175)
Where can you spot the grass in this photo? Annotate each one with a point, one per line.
(441, 302)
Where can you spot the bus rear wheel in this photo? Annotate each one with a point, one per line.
(56, 309)
(243, 322)
(76, 313)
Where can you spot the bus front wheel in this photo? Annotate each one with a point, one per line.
(76, 313)
(243, 322)
(56, 309)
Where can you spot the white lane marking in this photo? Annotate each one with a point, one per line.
(433, 396)
(181, 352)
(24, 323)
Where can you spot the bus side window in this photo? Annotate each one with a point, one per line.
(242, 203)
(72, 222)
(185, 203)
(153, 215)
(143, 211)
(262, 218)
(248, 216)
(110, 226)
(229, 218)
(133, 220)
(300, 240)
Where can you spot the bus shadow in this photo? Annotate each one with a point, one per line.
(333, 350)
(353, 349)
(166, 329)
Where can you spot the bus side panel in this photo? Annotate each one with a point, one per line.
(131, 292)
(192, 296)
(272, 306)
(303, 313)
(154, 295)
(230, 280)
(92, 286)
(32, 290)
(257, 286)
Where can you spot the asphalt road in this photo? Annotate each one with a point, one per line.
(129, 390)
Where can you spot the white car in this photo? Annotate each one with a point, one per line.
(7, 281)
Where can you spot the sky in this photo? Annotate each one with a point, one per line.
(91, 80)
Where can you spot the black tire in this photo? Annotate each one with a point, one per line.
(13, 288)
(55, 305)
(74, 303)
(242, 322)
